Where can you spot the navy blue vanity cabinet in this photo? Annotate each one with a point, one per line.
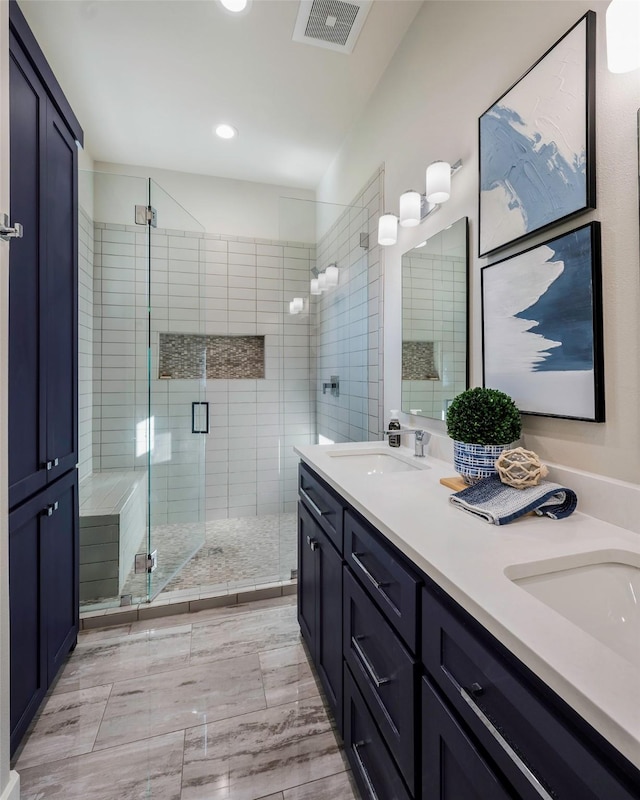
(540, 747)
(43, 581)
(320, 593)
(43, 376)
(434, 707)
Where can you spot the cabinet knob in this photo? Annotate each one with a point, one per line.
(313, 543)
(50, 509)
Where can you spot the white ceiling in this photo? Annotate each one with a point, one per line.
(149, 78)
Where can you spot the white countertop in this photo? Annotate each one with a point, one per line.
(467, 558)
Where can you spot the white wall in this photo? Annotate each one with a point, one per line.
(456, 60)
(220, 205)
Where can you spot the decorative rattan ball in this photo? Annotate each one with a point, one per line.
(520, 468)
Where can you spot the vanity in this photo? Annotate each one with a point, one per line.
(448, 660)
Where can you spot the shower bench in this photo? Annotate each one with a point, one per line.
(113, 513)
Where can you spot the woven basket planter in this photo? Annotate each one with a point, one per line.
(476, 461)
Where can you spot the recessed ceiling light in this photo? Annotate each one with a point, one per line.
(236, 6)
(225, 131)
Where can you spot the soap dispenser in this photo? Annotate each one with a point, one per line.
(394, 425)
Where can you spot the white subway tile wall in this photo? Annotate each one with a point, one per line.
(346, 337)
(202, 284)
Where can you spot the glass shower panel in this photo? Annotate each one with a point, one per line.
(113, 311)
(178, 411)
(324, 365)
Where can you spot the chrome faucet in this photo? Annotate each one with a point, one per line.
(421, 438)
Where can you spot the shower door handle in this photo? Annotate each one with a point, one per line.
(199, 417)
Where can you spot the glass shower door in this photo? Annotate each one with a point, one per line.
(178, 411)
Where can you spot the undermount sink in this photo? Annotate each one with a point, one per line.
(375, 463)
(598, 591)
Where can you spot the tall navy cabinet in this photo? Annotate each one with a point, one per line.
(43, 376)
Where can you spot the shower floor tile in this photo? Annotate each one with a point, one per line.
(248, 726)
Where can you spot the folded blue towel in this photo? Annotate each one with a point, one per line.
(499, 504)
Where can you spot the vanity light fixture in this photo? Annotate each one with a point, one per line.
(333, 273)
(324, 280)
(410, 208)
(387, 229)
(226, 131)
(235, 6)
(438, 181)
(415, 207)
(623, 35)
(296, 305)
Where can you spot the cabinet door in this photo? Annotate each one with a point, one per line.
(27, 400)
(373, 768)
(28, 649)
(307, 580)
(453, 768)
(43, 594)
(60, 309)
(329, 635)
(320, 605)
(59, 571)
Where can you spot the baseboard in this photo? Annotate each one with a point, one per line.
(12, 789)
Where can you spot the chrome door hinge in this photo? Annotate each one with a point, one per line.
(7, 232)
(146, 215)
(146, 562)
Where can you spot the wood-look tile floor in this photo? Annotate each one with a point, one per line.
(218, 705)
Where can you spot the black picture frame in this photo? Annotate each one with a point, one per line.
(538, 169)
(553, 367)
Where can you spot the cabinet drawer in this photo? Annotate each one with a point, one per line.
(384, 671)
(323, 505)
(538, 746)
(452, 766)
(393, 587)
(373, 768)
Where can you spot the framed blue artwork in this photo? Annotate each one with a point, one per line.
(537, 144)
(542, 327)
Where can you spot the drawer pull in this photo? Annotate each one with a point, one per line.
(367, 664)
(313, 505)
(363, 769)
(376, 583)
(504, 744)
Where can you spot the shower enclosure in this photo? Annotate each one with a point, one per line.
(196, 383)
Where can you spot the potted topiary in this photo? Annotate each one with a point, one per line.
(482, 423)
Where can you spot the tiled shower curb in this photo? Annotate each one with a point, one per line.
(163, 607)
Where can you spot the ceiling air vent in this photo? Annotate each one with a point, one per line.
(333, 24)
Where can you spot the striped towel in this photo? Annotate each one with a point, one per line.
(499, 504)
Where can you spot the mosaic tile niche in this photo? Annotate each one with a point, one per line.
(418, 361)
(186, 355)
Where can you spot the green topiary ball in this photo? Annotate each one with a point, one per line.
(483, 416)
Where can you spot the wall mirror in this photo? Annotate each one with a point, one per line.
(435, 322)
